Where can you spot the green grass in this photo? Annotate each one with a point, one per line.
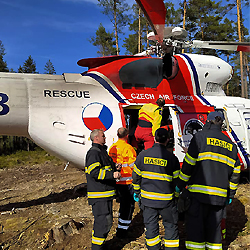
(21, 158)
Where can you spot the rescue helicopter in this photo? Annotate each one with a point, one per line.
(58, 112)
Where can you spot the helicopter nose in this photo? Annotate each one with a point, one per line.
(227, 72)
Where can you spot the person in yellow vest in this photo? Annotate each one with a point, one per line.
(150, 116)
(124, 153)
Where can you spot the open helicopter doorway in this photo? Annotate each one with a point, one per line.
(131, 114)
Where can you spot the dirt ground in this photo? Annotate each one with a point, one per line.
(44, 207)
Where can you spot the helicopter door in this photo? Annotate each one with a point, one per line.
(186, 125)
(245, 117)
(131, 119)
(177, 149)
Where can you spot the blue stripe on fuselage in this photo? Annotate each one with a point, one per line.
(198, 91)
(105, 85)
(244, 153)
(196, 80)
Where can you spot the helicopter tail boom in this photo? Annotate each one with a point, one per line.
(13, 111)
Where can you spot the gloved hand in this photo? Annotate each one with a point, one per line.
(136, 197)
(181, 205)
(183, 201)
(229, 201)
(177, 192)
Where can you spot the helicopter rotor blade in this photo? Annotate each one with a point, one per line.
(155, 12)
(98, 61)
(236, 46)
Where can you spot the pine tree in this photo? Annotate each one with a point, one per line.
(29, 66)
(12, 70)
(139, 28)
(116, 11)
(20, 69)
(206, 21)
(173, 15)
(49, 68)
(104, 41)
(173, 18)
(3, 64)
(131, 44)
(241, 59)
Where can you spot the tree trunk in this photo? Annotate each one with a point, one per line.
(147, 37)
(227, 93)
(184, 17)
(239, 21)
(246, 73)
(116, 29)
(139, 32)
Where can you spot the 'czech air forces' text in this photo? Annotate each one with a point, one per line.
(66, 93)
(165, 97)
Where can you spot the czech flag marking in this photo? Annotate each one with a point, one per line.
(97, 116)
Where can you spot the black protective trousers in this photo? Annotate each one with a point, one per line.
(169, 217)
(203, 225)
(127, 205)
(103, 218)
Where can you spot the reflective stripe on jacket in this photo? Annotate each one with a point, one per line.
(151, 113)
(154, 176)
(124, 153)
(211, 167)
(99, 169)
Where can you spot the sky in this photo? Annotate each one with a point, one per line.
(55, 30)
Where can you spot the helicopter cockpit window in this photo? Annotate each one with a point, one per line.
(213, 87)
(141, 73)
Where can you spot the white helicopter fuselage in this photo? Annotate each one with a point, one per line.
(237, 112)
(212, 72)
(49, 110)
(59, 112)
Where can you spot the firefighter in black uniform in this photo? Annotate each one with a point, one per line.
(101, 178)
(208, 179)
(154, 175)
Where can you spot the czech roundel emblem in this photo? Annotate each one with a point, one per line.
(97, 116)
